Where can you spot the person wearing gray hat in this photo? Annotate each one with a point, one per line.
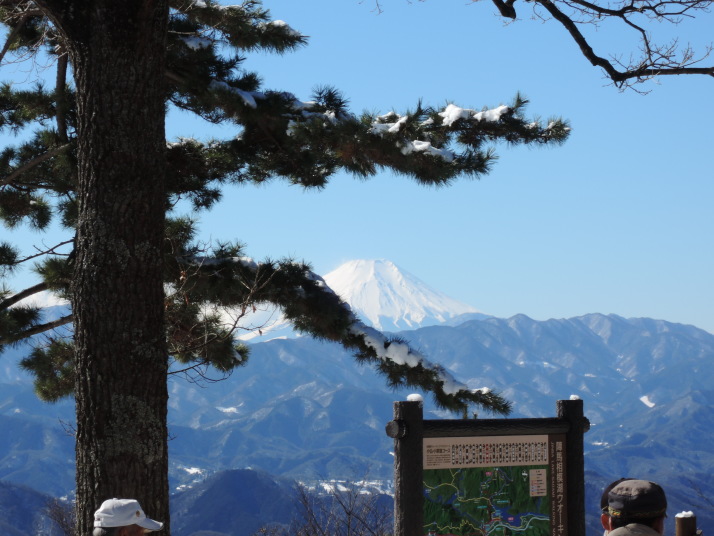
(604, 517)
(122, 517)
(635, 508)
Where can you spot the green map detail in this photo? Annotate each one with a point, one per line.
(484, 501)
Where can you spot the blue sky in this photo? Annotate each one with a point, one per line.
(617, 220)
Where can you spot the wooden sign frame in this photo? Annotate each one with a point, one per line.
(547, 454)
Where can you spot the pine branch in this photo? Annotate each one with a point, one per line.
(12, 35)
(246, 26)
(39, 328)
(307, 142)
(313, 308)
(32, 163)
(15, 298)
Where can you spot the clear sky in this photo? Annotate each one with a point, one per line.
(617, 220)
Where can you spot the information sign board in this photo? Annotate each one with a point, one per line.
(494, 485)
(489, 477)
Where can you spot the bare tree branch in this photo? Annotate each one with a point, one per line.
(62, 514)
(48, 251)
(657, 61)
(506, 8)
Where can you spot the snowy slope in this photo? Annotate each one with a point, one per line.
(392, 299)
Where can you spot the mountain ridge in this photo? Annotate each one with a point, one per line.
(303, 408)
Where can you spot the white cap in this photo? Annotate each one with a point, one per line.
(122, 513)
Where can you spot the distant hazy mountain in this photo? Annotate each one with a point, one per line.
(241, 502)
(304, 409)
(236, 502)
(23, 512)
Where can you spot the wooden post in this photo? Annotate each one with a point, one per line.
(685, 525)
(572, 412)
(407, 429)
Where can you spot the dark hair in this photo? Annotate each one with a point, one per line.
(105, 531)
(618, 522)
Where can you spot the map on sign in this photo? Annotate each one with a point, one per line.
(496, 501)
(487, 486)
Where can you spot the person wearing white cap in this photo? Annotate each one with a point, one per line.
(122, 517)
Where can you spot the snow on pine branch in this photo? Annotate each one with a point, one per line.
(243, 24)
(195, 42)
(201, 4)
(248, 97)
(303, 109)
(284, 26)
(400, 353)
(246, 262)
(426, 147)
(382, 125)
(453, 113)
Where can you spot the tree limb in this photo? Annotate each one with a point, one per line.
(12, 300)
(32, 163)
(11, 36)
(61, 96)
(646, 70)
(506, 9)
(39, 328)
(53, 249)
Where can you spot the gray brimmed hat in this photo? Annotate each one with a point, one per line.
(606, 493)
(122, 513)
(636, 499)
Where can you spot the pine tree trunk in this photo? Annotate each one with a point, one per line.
(117, 50)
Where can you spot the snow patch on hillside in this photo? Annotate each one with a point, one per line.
(647, 402)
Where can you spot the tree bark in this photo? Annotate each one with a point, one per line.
(117, 50)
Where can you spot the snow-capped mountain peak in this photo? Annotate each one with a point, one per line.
(380, 294)
(390, 298)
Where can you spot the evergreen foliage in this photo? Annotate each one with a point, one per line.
(279, 137)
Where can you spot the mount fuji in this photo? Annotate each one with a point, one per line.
(382, 295)
(392, 299)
